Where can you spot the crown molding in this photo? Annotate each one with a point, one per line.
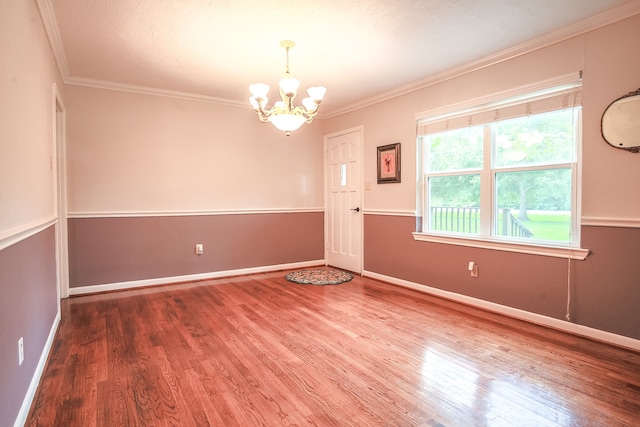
(609, 17)
(50, 23)
(597, 21)
(145, 90)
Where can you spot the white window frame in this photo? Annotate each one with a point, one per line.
(484, 106)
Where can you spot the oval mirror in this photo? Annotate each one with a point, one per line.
(621, 122)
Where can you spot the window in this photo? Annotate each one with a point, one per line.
(504, 172)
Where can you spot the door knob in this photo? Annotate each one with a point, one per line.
(356, 209)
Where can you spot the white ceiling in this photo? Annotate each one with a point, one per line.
(359, 49)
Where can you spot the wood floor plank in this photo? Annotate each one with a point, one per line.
(261, 351)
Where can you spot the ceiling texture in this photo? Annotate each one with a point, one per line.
(363, 51)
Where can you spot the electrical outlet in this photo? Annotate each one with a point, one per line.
(199, 249)
(473, 269)
(20, 351)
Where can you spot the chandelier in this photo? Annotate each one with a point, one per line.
(283, 115)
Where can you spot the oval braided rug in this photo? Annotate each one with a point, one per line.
(319, 276)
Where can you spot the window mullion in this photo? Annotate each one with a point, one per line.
(486, 184)
(576, 188)
(456, 173)
(527, 168)
(426, 225)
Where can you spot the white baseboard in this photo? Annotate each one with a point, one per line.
(189, 278)
(37, 375)
(596, 334)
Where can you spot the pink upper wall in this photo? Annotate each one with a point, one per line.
(611, 69)
(27, 74)
(134, 153)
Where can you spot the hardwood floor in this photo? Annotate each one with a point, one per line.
(260, 351)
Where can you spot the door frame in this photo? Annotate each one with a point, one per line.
(60, 195)
(360, 130)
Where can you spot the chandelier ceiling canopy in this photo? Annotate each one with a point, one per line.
(284, 115)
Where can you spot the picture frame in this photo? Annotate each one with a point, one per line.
(389, 163)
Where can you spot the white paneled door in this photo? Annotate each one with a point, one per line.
(344, 201)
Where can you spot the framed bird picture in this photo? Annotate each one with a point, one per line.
(389, 163)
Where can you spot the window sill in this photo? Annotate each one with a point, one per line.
(552, 251)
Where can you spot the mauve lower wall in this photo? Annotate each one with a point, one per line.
(605, 287)
(112, 250)
(28, 309)
(607, 284)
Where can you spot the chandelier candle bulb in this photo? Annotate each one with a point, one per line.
(259, 90)
(289, 86)
(284, 115)
(317, 92)
(309, 104)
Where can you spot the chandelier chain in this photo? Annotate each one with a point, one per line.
(287, 50)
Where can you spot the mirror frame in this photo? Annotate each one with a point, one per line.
(606, 117)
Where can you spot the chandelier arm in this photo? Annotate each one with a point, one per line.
(262, 118)
(301, 111)
(262, 113)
